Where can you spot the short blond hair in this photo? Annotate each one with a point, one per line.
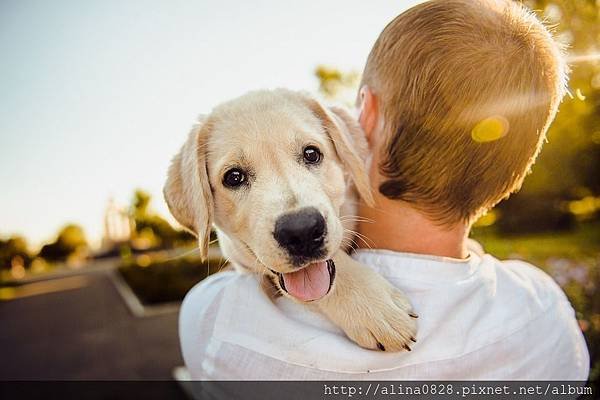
(445, 71)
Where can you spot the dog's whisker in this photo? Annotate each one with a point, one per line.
(361, 237)
(185, 254)
(351, 219)
(369, 246)
(355, 217)
(224, 264)
(353, 245)
(350, 242)
(357, 220)
(347, 243)
(365, 240)
(357, 233)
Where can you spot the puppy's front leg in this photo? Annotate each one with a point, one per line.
(368, 308)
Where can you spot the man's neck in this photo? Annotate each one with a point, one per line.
(396, 225)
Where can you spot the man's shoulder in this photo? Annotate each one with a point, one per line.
(201, 315)
(206, 295)
(552, 332)
(525, 277)
(508, 305)
(528, 281)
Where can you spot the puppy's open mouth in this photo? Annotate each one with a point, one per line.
(309, 283)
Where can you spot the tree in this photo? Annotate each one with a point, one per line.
(336, 84)
(154, 230)
(568, 166)
(70, 239)
(140, 203)
(15, 246)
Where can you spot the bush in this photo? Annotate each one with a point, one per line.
(15, 246)
(166, 281)
(534, 213)
(71, 239)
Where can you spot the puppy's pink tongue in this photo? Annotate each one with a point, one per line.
(310, 283)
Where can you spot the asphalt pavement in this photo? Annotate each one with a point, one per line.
(78, 327)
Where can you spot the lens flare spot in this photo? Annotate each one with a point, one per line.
(490, 129)
(580, 95)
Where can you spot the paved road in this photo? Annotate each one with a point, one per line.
(84, 332)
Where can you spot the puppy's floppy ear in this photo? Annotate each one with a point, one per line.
(187, 190)
(349, 142)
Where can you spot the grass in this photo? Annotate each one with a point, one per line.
(582, 243)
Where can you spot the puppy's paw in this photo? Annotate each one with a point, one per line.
(371, 311)
(386, 324)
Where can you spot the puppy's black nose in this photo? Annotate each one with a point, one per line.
(301, 233)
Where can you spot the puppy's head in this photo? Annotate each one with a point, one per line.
(272, 169)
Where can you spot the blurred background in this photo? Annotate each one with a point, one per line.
(98, 96)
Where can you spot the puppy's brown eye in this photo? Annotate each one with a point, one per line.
(234, 178)
(312, 155)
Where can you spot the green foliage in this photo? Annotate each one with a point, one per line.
(568, 166)
(15, 246)
(150, 228)
(140, 203)
(166, 281)
(581, 244)
(530, 213)
(336, 84)
(70, 239)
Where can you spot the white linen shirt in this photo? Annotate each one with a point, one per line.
(479, 319)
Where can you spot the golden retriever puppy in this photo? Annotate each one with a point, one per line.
(278, 175)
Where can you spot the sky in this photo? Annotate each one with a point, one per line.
(97, 96)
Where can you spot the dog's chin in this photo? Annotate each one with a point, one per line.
(309, 283)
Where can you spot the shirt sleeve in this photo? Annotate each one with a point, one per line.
(196, 316)
(560, 342)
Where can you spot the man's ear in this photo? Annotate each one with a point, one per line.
(187, 190)
(349, 142)
(369, 112)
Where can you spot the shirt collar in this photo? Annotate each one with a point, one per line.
(421, 267)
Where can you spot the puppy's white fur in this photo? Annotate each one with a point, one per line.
(264, 133)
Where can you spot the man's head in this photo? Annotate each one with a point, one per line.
(456, 99)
